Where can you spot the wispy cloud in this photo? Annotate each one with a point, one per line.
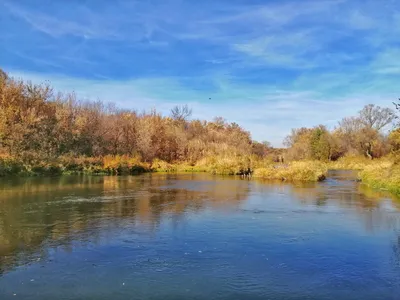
(388, 62)
(269, 65)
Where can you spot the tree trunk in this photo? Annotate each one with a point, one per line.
(369, 151)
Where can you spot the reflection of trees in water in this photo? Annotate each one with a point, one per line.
(376, 209)
(37, 213)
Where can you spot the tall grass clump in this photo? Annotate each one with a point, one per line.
(225, 164)
(358, 163)
(382, 177)
(123, 164)
(159, 165)
(294, 171)
(82, 165)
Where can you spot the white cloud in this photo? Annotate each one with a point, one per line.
(340, 55)
(282, 48)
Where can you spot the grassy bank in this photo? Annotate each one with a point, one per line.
(359, 163)
(382, 173)
(382, 177)
(125, 165)
(294, 171)
(108, 165)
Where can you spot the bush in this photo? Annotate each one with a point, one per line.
(10, 166)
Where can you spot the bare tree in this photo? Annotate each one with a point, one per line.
(350, 125)
(397, 106)
(181, 113)
(376, 117)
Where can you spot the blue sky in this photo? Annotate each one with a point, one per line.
(268, 65)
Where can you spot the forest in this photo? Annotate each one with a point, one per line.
(46, 132)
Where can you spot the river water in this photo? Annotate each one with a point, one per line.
(197, 236)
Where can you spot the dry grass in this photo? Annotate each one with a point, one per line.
(124, 164)
(382, 177)
(159, 165)
(181, 167)
(358, 163)
(108, 165)
(224, 164)
(294, 171)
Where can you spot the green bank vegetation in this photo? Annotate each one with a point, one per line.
(43, 132)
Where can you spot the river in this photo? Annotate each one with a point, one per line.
(197, 236)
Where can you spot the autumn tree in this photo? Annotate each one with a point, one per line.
(298, 143)
(320, 143)
(362, 134)
(394, 139)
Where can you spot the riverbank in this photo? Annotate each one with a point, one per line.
(380, 174)
(359, 163)
(294, 171)
(107, 165)
(382, 177)
(125, 165)
(383, 173)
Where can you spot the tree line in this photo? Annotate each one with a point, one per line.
(38, 124)
(365, 134)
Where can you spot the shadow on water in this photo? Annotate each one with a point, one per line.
(278, 219)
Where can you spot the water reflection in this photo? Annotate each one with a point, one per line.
(57, 211)
(309, 226)
(376, 209)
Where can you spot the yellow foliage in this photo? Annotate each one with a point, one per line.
(358, 163)
(122, 164)
(383, 177)
(225, 164)
(159, 165)
(294, 171)
(394, 139)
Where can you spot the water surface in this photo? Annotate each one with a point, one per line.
(167, 236)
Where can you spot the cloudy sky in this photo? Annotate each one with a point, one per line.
(268, 65)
